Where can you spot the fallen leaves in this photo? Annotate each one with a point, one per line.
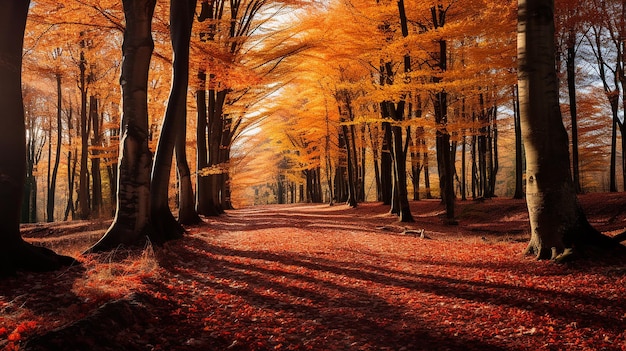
(231, 285)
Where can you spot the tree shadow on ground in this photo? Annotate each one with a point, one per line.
(303, 301)
(283, 298)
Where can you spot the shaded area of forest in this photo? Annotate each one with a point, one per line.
(318, 277)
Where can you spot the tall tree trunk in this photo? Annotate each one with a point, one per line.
(329, 166)
(558, 224)
(203, 196)
(399, 149)
(399, 154)
(15, 253)
(351, 200)
(375, 145)
(131, 224)
(186, 211)
(444, 157)
(96, 175)
(416, 166)
(573, 108)
(519, 161)
(425, 157)
(613, 162)
(463, 170)
(57, 156)
(181, 20)
(217, 99)
(386, 173)
(72, 163)
(83, 185)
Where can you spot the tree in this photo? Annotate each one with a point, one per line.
(181, 19)
(558, 224)
(15, 253)
(52, 178)
(570, 27)
(35, 141)
(131, 224)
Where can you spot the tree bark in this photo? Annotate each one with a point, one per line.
(131, 224)
(181, 19)
(519, 161)
(57, 156)
(444, 157)
(573, 110)
(558, 224)
(83, 178)
(15, 253)
(186, 211)
(96, 141)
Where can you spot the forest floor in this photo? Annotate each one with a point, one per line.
(319, 277)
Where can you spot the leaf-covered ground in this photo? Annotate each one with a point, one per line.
(316, 277)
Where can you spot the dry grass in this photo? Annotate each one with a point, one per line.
(115, 274)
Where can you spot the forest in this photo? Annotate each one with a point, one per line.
(296, 88)
(317, 168)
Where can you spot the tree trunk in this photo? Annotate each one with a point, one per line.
(83, 185)
(351, 200)
(203, 196)
(181, 19)
(186, 211)
(386, 173)
(131, 224)
(428, 194)
(96, 175)
(463, 170)
(558, 224)
(519, 161)
(57, 156)
(399, 156)
(446, 169)
(571, 89)
(15, 253)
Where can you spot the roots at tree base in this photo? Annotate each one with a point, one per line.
(586, 241)
(23, 256)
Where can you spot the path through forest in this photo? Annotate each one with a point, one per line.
(319, 277)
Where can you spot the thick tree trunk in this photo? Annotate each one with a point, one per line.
(558, 224)
(131, 224)
(15, 253)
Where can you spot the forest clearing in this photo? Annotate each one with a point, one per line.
(319, 277)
